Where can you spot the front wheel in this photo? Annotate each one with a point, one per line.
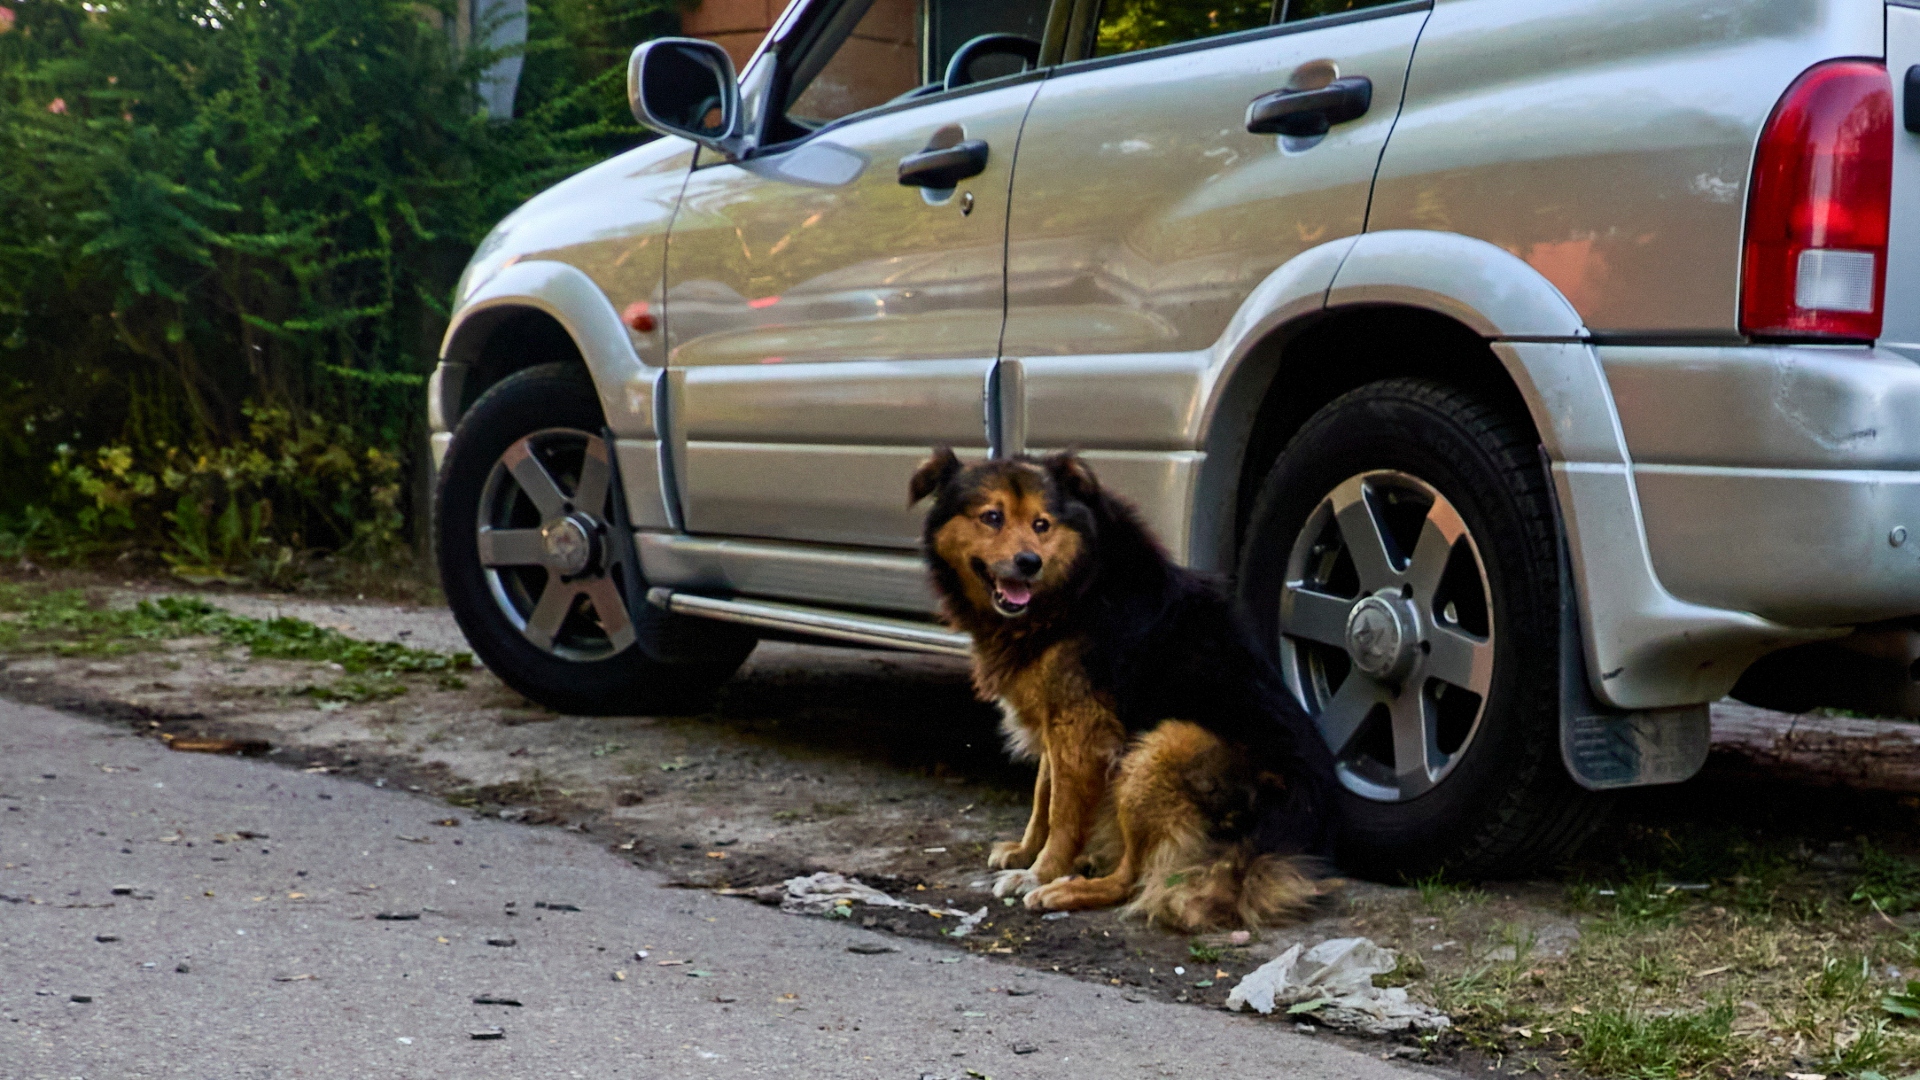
(1401, 564)
(525, 536)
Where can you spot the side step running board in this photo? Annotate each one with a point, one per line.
(818, 622)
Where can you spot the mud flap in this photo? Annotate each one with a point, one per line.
(1604, 747)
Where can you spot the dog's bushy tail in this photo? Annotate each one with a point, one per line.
(1204, 886)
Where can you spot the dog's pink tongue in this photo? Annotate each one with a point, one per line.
(1015, 592)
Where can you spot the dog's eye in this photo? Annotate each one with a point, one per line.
(993, 519)
(1041, 525)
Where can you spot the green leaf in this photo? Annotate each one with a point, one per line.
(1307, 1006)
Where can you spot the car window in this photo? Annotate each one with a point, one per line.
(1297, 10)
(866, 53)
(1131, 25)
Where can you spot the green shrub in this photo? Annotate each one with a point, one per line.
(227, 238)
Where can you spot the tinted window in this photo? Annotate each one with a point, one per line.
(1313, 9)
(869, 52)
(1131, 25)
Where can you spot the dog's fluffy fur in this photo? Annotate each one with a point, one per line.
(1171, 758)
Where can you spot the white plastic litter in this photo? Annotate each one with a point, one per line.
(827, 893)
(969, 924)
(1333, 981)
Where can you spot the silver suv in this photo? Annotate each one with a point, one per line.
(1539, 371)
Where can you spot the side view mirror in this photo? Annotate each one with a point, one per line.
(687, 87)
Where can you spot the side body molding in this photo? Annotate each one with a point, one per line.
(1645, 648)
(628, 386)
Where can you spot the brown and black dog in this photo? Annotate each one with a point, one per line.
(1171, 757)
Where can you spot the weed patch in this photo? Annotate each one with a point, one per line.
(1635, 1045)
(1887, 881)
(69, 622)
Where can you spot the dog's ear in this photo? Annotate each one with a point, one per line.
(1073, 475)
(933, 474)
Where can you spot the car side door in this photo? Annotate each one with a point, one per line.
(1189, 151)
(832, 312)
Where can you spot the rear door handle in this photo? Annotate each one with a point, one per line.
(944, 167)
(1910, 99)
(1306, 113)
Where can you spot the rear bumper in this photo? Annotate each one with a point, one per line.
(1778, 480)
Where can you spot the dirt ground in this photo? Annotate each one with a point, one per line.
(1732, 926)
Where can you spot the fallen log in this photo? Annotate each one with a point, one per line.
(1819, 751)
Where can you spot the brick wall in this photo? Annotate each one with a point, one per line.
(736, 25)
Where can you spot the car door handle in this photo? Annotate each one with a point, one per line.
(944, 167)
(1910, 99)
(1306, 113)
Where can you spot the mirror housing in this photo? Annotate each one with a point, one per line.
(687, 87)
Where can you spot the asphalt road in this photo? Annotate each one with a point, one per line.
(246, 941)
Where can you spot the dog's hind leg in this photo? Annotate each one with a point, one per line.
(1019, 854)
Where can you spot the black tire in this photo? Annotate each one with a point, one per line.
(1504, 800)
(672, 663)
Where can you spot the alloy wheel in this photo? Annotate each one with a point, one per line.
(1386, 632)
(543, 533)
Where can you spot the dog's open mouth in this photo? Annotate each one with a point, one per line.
(1011, 597)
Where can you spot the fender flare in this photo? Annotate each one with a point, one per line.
(627, 384)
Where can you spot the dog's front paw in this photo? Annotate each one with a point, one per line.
(1050, 897)
(1010, 855)
(1015, 882)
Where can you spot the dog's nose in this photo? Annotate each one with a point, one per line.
(1027, 563)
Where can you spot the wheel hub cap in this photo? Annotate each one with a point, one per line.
(1380, 637)
(569, 544)
(1386, 632)
(543, 534)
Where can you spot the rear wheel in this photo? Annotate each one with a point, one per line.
(1401, 564)
(524, 529)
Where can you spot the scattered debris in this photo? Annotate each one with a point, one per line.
(969, 924)
(182, 968)
(1334, 982)
(724, 999)
(551, 906)
(1055, 916)
(870, 948)
(413, 839)
(829, 894)
(619, 976)
(1025, 1048)
(450, 822)
(296, 978)
(80, 999)
(1239, 937)
(489, 999)
(641, 954)
(106, 938)
(123, 890)
(193, 745)
(502, 942)
(397, 916)
(488, 1033)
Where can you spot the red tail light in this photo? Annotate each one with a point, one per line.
(1816, 253)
